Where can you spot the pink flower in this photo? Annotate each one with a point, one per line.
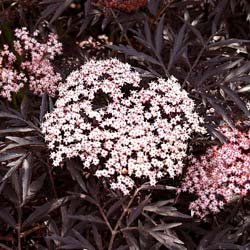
(226, 169)
(35, 70)
(117, 124)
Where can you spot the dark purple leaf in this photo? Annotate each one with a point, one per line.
(244, 89)
(177, 45)
(107, 19)
(16, 130)
(197, 33)
(135, 212)
(44, 210)
(212, 71)
(238, 72)
(85, 197)
(87, 7)
(76, 175)
(97, 237)
(25, 105)
(122, 248)
(68, 242)
(35, 186)
(81, 239)
(159, 35)
(61, 8)
(26, 176)
(87, 218)
(11, 155)
(235, 97)
(13, 167)
(4, 247)
(148, 35)
(157, 187)
(153, 6)
(7, 217)
(43, 107)
(165, 226)
(16, 183)
(167, 211)
(115, 206)
(221, 111)
(215, 133)
(128, 50)
(51, 105)
(131, 241)
(170, 241)
(226, 43)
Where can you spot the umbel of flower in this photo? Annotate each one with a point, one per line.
(221, 174)
(35, 70)
(124, 129)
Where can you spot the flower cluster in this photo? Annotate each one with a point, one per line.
(221, 174)
(125, 5)
(30, 63)
(120, 127)
(95, 47)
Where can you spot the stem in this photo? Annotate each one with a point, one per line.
(19, 225)
(162, 65)
(197, 59)
(52, 182)
(5, 247)
(162, 10)
(120, 26)
(194, 65)
(32, 230)
(115, 230)
(105, 218)
(129, 229)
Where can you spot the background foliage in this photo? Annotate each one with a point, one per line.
(204, 44)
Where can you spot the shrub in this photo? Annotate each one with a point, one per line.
(221, 174)
(123, 128)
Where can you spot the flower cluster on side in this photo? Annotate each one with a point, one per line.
(30, 63)
(123, 129)
(125, 5)
(221, 174)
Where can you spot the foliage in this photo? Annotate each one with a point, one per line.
(204, 44)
